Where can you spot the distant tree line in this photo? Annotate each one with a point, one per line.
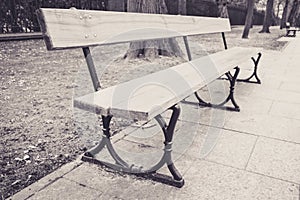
(19, 15)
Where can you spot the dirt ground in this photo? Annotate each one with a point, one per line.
(39, 128)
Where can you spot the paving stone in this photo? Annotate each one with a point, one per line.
(279, 95)
(66, 189)
(252, 105)
(266, 125)
(40, 184)
(289, 110)
(206, 180)
(270, 81)
(232, 149)
(146, 190)
(290, 86)
(99, 179)
(277, 159)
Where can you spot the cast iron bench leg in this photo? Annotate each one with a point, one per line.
(105, 142)
(254, 74)
(121, 165)
(230, 97)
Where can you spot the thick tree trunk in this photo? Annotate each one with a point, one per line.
(284, 15)
(268, 17)
(182, 7)
(249, 17)
(294, 13)
(15, 27)
(153, 48)
(116, 5)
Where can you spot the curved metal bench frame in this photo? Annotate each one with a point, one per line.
(123, 166)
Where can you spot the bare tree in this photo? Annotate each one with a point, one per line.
(279, 3)
(268, 17)
(249, 18)
(182, 7)
(284, 15)
(116, 5)
(294, 13)
(153, 48)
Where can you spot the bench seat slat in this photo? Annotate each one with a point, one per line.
(69, 28)
(145, 97)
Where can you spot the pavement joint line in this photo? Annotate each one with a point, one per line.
(252, 150)
(83, 185)
(280, 84)
(61, 176)
(285, 116)
(194, 160)
(253, 172)
(280, 101)
(292, 182)
(270, 108)
(248, 133)
(30, 195)
(262, 136)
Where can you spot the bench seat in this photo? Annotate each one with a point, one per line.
(145, 97)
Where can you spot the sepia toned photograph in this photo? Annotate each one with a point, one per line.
(149, 99)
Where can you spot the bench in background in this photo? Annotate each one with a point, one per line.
(290, 31)
(147, 97)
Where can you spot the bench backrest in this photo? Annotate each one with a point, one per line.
(71, 28)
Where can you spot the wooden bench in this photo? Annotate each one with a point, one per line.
(147, 97)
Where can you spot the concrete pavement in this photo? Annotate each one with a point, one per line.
(255, 152)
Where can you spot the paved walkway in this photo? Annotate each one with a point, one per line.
(256, 155)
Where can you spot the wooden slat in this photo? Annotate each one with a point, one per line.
(145, 97)
(68, 28)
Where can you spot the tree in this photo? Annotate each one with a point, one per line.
(153, 48)
(182, 7)
(222, 8)
(284, 15)
(294, 13)
(248, 21)
(278, 3)
(116, 5)
(268, 17)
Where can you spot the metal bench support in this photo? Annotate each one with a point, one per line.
(232, 80)
(230, 97)
(91, 67)
(122, 166)
(254, 74)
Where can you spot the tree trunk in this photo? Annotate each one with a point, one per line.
(222, 8)
(151, 48)
(284, 15)
(116, 5)
(14, 18)
(294, 13)
(268, 17)
(248, 21)
(182, 7)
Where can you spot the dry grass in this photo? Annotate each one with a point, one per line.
(213, 42)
